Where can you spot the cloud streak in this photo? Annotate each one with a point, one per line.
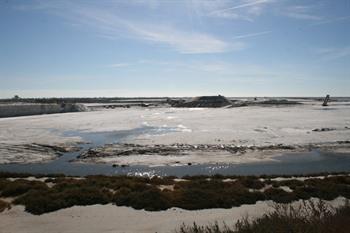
(330, 54)
(244, 5)
(343, 18)
(111, 25)
(183, 42)
(119, 65)
(247, 10)
(252, 35)
(301, 12)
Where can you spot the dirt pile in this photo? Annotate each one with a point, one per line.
(204, 102)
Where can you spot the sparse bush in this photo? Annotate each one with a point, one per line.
(279, 195)
(161, 180)
(252, 182)
(293, 184)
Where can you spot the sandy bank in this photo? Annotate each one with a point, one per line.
(114, 219)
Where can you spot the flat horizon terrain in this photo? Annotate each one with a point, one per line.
(137, 140)
(194, 135)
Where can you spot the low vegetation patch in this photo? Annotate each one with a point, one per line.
(310, 217)
(19, 187)
(192, 193)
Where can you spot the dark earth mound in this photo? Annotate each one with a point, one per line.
(204, 102)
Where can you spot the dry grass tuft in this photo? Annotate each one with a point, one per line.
(310, 217)
(4, 205)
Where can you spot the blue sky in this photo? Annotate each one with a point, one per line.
(174, 48)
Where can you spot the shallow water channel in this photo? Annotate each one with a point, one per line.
(289, 163)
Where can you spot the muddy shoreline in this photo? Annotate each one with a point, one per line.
(33, 153)
(97, 154)
(183, 159)
(108, 152)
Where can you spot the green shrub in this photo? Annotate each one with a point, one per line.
(293, 184)
(19, 187)
(39, 202)
(251, 182)
(151, 199)
(199, 192)
(279, 195)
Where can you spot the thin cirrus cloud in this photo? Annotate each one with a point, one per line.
(247, 10)
(119, 65)
(329, 54)
(230, 15)
(333, 20)
(182, 41)
(244, 5)
(301, 12)
(252, 35)
(112, 26)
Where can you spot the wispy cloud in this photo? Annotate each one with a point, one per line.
(328, 21)
(183, 41)
(118, 65)
(246, 10)
(230, 15)
(244, 5)
(252, 35)
(301, 12)
(329, 54)
(109, 24)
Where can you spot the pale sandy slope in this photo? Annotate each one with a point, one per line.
(113, 219)
(240, 126)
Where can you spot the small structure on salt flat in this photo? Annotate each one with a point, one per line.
(325, 101)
